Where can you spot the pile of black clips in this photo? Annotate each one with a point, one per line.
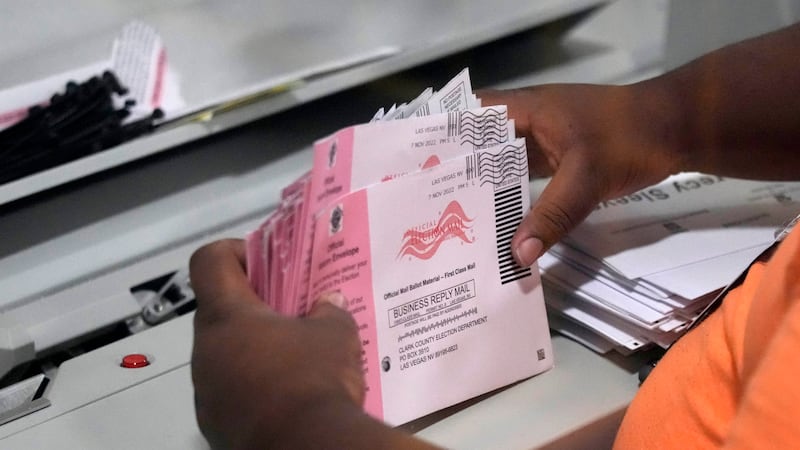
(79, 122)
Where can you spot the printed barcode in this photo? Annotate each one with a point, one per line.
(423, 110)
(508, 214)
(472, 166)
(453, 123)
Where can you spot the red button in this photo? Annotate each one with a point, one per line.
(134, 361)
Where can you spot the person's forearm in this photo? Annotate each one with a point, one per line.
(735, 111)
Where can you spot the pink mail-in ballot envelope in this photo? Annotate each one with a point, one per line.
(361, 155)
(444, 313)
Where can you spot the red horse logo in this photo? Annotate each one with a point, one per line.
(423, 243)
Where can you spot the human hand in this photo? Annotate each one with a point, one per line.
(261, 378)
(597, 142)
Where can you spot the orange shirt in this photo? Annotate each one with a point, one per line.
(734, 381)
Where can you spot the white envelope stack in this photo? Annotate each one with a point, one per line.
(641, 268)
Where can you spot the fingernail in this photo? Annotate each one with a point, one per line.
(528, 251)
(335, 299)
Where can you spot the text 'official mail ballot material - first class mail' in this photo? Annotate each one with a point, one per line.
(411, 216)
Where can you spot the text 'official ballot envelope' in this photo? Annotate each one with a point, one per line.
(444, 313)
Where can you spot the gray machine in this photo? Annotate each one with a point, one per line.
(93, 254)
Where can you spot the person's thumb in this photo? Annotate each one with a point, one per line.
(330, 304)
(567, 199)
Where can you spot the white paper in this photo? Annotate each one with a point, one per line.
(616, 332)
(686, 219)
(700, 278)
